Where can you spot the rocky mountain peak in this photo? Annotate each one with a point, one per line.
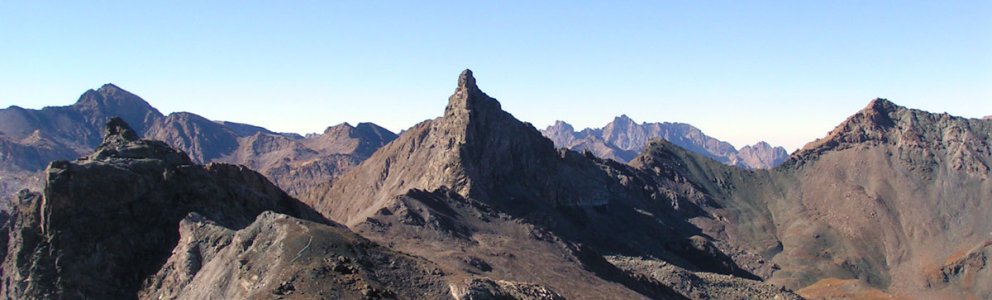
(466, 80)
(110, 88)
(343, 127)
(476, 149)
(562, 125)
(877, 113)
(468, 99)
(624, 119)
(97, 106)
(110, 94)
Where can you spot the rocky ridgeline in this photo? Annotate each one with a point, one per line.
(137, 217)
(623, 139)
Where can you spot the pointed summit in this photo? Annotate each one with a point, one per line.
(469, 99)
(874, 124)
(122, 142)
(110, 88)
(880, 106)
(97, 106)
(466, 80)
(119, 131)
(623, 118)
(476, 150)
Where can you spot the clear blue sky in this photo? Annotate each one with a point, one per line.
(743, 71)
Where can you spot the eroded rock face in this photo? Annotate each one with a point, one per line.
(488, 289)
(105, 222)
(282, 256)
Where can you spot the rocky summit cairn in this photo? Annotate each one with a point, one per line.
(118, 132)
(122, 142)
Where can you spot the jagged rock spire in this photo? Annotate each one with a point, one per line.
(121, 141)
(466, 80)
(469, 99)
(119, 132)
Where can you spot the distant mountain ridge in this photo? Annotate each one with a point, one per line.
(29, 139)
(623, 139)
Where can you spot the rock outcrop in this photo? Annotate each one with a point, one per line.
(284, 257)
(105, 222)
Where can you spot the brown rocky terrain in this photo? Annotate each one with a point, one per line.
(892, 202)
(623, 139)
(138, 219)
(478, 205)
(479, 192)
(297, 165)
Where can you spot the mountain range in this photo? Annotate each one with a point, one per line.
(29, 139)
(623, 139)
(476, 204)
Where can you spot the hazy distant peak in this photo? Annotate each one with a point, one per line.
(339, 127)
(623, 118)
(110, 87)
(561, 126)
(372, 129)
